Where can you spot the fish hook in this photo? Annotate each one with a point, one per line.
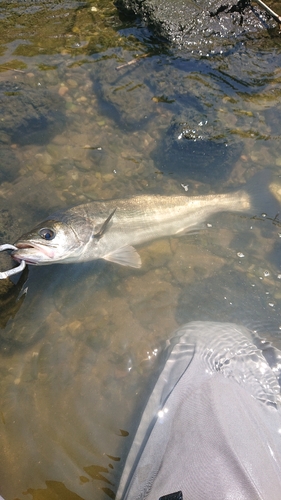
(14, 270)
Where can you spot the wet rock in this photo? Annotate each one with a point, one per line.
(203, 25)
(30, 115)
(197, 148)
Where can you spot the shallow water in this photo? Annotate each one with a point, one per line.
(81, 344)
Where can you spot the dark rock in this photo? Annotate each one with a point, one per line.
(197, 149)
(29, 115)
(202, 25)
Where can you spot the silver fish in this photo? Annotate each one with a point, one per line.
(110, 229)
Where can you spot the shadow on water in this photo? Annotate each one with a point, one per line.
(80, 345)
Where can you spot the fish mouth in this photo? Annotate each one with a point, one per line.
(24, 245)
(32, 253)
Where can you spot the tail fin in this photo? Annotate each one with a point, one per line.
(261, 189)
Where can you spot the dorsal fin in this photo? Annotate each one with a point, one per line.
(103, 228)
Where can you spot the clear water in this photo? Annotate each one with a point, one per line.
(80, 344)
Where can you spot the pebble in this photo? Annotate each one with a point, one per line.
(63, 90)
(108, 177)
(46, 168)
(82, 99)
(75, 328)
(72, 83)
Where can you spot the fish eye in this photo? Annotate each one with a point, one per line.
(46, 233)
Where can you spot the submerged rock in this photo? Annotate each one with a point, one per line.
(29, 115)
(203, 151)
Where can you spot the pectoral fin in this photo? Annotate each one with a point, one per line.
(190, 230)
(125, 256)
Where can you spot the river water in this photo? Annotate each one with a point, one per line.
(80, 345)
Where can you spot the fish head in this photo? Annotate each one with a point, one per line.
(49, 242)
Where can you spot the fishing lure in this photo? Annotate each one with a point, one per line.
(14, 270)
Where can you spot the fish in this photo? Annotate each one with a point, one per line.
(210, 428)
(111, 229)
